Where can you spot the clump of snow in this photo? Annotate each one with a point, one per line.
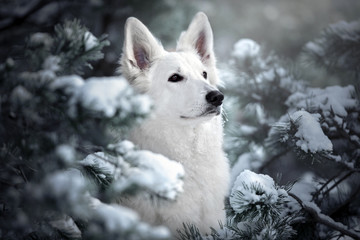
(156, 172)
(310, 136)
(107, 95)
(68, 83)
(68, 188)
(90, 41)
(315, 48)
(51, 63)
(123, 223)
(41, 38)
(145, 169)
(245, 48)
(254, 189)
(104, 162)
(20, 95)
(66, 153)
(46, 75)
(333, 98)
(122, 147)
(68, 32)
(347, 30)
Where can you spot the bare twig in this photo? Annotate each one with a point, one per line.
(339, 181)
(17, 20)
(348, 201)
(323, 186)
(326, 220)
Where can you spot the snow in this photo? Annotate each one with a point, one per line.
(145, 169)
(310, 136)
(90, 41)
(333, 98)
(66, 153)
(104, 162)
(41, 38)
(46, 75)
(315, 48)
(122, 147)
(68, 188)
(245, 48)
(51, 63)
(68, 83)
(245, 183)
(247, 129)
(123, 222)
(116, 217)
(347, 30)
(107, 95)
(156, 172)
(20, 95)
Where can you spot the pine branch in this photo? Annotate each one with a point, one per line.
(189, 232)
(326, 220)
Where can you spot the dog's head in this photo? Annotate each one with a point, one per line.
(182, 83)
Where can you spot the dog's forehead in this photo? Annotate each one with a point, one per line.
(182, 60)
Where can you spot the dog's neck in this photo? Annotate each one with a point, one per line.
(179, 142)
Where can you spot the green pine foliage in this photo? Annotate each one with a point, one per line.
(337, 48)
(274, 118)
(315, 127)
(63, 164)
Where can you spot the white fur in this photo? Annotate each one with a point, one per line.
(178, 127)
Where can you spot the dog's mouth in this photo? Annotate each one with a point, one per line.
(212, 111)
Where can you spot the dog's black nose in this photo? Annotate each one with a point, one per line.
(215, 98)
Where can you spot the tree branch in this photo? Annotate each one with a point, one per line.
(17, 20)
(347, 202)
(339, 181)
(324, 219)
(272, 159)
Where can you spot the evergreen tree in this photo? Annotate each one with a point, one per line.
(64, 158)
(276, 118)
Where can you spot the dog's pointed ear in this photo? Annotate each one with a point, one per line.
(198, 37)
(140, 47)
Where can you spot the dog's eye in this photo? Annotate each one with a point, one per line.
(205, 75)
(175, 78)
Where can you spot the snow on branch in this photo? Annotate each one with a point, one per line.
(255, 196)
(141, 168)
(117, 222)
(334, 99)
(107, 96)
(302, 132)
(310, 136)
(315, 212)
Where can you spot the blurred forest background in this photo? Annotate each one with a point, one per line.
(281, 25)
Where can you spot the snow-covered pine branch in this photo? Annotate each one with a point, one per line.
(315, 212)
(139, 169)
(49, 118)
(276, 120)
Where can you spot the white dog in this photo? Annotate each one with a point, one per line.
(185, 125)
